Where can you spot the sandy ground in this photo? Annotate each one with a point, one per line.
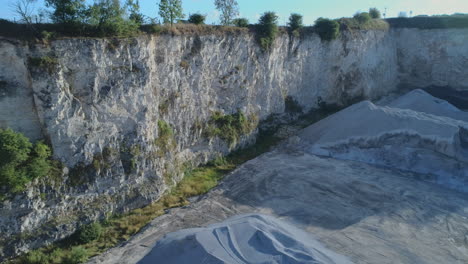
(363, 209)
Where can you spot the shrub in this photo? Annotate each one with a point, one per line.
(36, 257)
(363, 17)
(267, 30)
(89, 233)
(197, 19)
(374, 24)
(46, 35)
(56, 256)
(77, 255)
(47, 63)
(375, 13)
(165, 141)
(327, 29)
(230, 127)
(240, 22)
(107, 17)
(295, 22)
(184, 64)
(21, 161)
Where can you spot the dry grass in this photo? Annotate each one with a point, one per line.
(192, 29)
(350, 24)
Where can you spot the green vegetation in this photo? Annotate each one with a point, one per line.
(363, 17)
(171, 11)
(21, 161)
(327, 29)
(77, 255)
(89, 233)
(375, 13)
(230, 127)
(240, 22)
(430, 22)
(267, 30)
(184, 64)
(295, 23)
(133, 7)
(67, 12)
(108, 19)
(351, 24)
(197, 19)
(364, 21)
(47, 63)
(229, 9)
(165, 141)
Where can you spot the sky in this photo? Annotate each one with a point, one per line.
(310, 9)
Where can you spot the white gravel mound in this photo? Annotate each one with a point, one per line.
(416, 132)
(252, 238)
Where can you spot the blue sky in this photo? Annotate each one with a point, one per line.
(311, 9)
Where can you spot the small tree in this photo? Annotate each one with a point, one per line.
(362, 18)
(375, 13)
(107, 15)
(229, 9)
(240, 22)
(89, 233)
(24, 9)
(268, 29)
(295, 22)
(171, 11)
(133, 7)
(66, 11)
(197, 19)
(327, 29)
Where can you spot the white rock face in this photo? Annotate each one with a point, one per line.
(433, 57)
(100, 105)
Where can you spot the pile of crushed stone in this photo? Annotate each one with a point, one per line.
(251, 238)
(416, 132)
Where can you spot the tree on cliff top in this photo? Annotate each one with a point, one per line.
(375, 13)
(295, 22)
(108, 16)
(66, 11)
(133, 7)
(267, 30)
(171, 11)
(229, 10)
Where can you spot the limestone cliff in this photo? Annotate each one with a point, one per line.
(101, 104)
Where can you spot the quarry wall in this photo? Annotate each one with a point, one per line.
(102, 104)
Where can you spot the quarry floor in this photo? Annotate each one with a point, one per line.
(367, 213)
